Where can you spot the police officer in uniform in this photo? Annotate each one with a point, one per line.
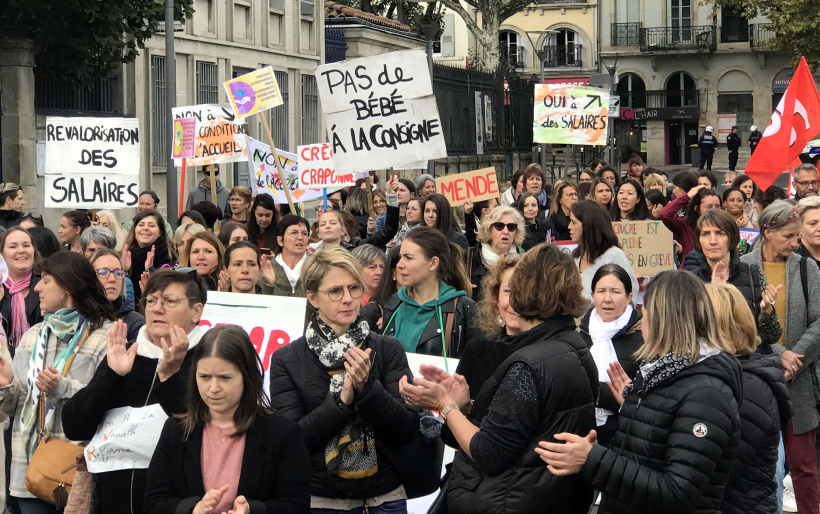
(754, 138)
(733, 143)
(707, 144)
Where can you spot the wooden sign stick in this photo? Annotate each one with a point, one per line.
(285, 186)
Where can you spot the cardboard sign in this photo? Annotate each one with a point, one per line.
(647, 245)
(92, 163)
(266, 177)
(253, 92)
(184, 138)
(380, 111)
(317, 171)
(472, 186)
(569, 114)
(270, 321)
(126, 439)
(220, 137)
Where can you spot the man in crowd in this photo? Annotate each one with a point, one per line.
(733, 143)
(202, 193)
(707, 144)
(805, 181)
(148, 201)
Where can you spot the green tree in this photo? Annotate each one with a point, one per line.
(796, 23)
(79, 39)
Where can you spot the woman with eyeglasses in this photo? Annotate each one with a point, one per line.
(340, 384)
(239, 202)
(566, 194)
(499, 235)
(55, 359)
(152, 370)
(147, 247)
(12, 201)
(19, 304)
(108, 265)
(72, 225)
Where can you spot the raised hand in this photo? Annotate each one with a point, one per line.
(149, 260)
(692, 192)
(120, 359)
(720, 273)
(224, 281)
(468, 207)
(210, 500)
(392, 184)
(267, 272)
(768, 298)
(146, 275)
(173, 354)
(126, 258)
(618, 379)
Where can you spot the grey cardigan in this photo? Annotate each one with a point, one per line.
(802, 337)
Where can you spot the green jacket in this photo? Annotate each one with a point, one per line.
(282, 287)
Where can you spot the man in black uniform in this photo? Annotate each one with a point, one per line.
(754, 138)
(707, 144)
(733, 143)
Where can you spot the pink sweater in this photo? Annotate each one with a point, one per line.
(222, 463)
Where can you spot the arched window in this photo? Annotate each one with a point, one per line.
(632, 90)
(563, 49)
(511, 49)
(681, 90)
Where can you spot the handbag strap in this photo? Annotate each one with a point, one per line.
(448, 328)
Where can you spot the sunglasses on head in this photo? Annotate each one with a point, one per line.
(500, 226)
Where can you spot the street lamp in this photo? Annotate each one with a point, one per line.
(612, 90)
(542, 55)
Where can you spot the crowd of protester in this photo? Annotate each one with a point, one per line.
(578, 380)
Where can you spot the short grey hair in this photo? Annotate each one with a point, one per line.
(421, 179)
(367, 254)
(776, 216)
(808, 204)
(806, 166)
(100, 235)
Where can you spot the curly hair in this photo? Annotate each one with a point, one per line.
(488, 305)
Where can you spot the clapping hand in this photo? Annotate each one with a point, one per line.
(173, 354)
(210, 500)
(267, 272)
(618, 379)
(240, 506)
(768, 297)
(48, 379)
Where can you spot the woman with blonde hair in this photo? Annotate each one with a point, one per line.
(654, 181)
(679, 426)
(109, 220)
(764, 411)
(500, 234)
(182, 235)
(602, 193)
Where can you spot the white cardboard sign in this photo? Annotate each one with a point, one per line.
(126, 439)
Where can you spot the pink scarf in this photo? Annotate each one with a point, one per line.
(19, 322)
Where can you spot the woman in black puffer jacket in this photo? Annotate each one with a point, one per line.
(679, 426)
(765, 410)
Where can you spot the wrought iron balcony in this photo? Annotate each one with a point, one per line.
(626, 34)
(659, 98)
(678, 38)
(563, 56)
(760, 34)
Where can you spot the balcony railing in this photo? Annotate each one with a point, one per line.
(626, 34)
(563, 56)
(678, 38)
(659, 98)
(760, 34)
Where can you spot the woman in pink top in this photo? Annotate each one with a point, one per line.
(230, 453)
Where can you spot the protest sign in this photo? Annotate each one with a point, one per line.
(220, 136)
(725, 124)
(253, 92)
(317, 171)
(266, 177)
(647, 245)
(184, 138)
(380, 111)
(126, 439)
(270, 321)
(749, 235)
(92, 163)
(568, 114)
(472, 186)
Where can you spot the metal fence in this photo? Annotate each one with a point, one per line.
(760, 34)
(97, 96)
(563, 56)
(335, 45)
(207, 83)
(626, 34)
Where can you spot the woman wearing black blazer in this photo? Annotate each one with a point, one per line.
(230, 452)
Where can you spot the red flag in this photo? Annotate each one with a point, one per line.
(795, 122)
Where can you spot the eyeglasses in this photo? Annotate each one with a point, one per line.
(501, 226)
(104, 272)
(169, 303)
(808, 183)
(337, 293)
(295, 233)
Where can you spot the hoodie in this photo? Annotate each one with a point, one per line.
(410, 318)
(202, 193)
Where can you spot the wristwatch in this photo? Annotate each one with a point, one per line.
(446, 410)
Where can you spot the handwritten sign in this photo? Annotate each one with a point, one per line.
(253, 92)
(92, 163)
(270, 321)
(126, 439)
(380, 111)
(184, 138)
(317, 171)
(647, 245)
(220, 137)
(472, 186)
(569, 114)
(749, 234)
(266, 177)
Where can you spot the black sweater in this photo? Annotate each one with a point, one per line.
(133, 320)
(83, 413)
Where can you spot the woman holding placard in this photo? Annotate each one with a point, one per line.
(54, 360)
(154, 370)
(230, 452)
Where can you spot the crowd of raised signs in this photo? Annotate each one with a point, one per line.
(561, 379)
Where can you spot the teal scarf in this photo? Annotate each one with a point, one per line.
(411, 318)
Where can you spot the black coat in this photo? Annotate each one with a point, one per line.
(274, 476)
(299, 388)
(567, 383)
(107, 390)
(133, 320)
(765, 411)
(675, 445)
(10, 218)
(560, 225)
(465, 326)
(536, 233)
(626, 343)
(32, 302)
(477, 269)
(460, 239)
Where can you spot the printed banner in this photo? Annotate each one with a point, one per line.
(567, 114)
(253, 92)
(220, 136)
(725, 124)
(647, 245)
(472, 186)
(126, 439)
(184, 138)
(266, 176)
(380, 111)
(92, 163)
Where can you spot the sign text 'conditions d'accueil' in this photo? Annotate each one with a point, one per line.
(380, 111)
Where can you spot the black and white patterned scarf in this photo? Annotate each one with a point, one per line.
(659, 371)
(351, 453)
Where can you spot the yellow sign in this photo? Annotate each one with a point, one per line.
(253, 92)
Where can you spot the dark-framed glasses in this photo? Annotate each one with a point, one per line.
(104, 272)
(336, 293)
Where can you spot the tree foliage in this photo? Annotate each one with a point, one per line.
(796, 23)
(79, 39)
